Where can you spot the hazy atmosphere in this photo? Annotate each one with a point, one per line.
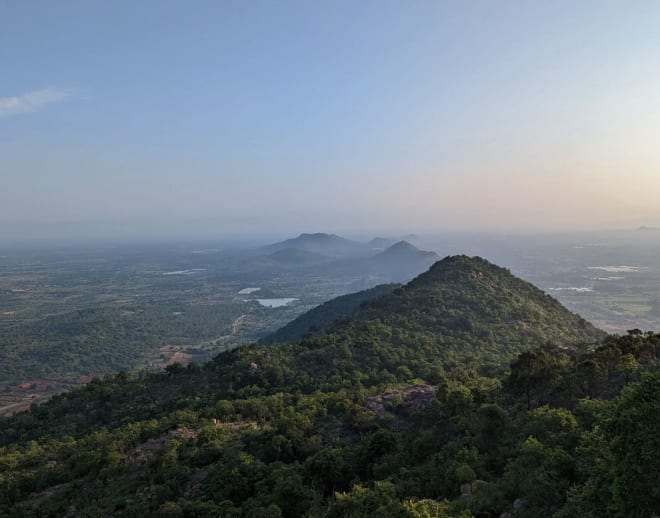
(217, 118)
(330, 259)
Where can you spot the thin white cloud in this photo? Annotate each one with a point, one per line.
(31, 101)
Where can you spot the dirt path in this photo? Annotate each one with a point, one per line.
(10, 410)
(237, 323)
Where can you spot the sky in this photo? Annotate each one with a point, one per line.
(159, 118)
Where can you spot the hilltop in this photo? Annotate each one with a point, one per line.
(381, 243)
(401, 261)
(466, 303)
(406, 253)
(320, 243)
(474, 300)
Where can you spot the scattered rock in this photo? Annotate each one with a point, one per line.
(407, 399)
(150, 446)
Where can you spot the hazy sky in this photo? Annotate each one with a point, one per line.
(138, 117)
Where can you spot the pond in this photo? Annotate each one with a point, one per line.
(275, 303)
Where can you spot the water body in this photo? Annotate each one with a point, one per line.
(185, 272)
(247, 291)
(573, 288)
(617, 269)
(275, 303)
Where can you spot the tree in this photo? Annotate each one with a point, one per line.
(632, 431)
(363, 501)
(532, 375)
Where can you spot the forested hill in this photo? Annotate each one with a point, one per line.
(471, 299)
(459, 296)
(321, 318)
(463, 311)
(410, 408)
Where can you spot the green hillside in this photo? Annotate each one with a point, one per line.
(319, 319)
(467, 392)
(478, 310)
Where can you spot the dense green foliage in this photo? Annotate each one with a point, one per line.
(474, 302)
(402, 411)
(321, 318)
(106, 339)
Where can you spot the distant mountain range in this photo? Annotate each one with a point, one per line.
(404, 251)
(381, 243)
(387, 259)
(330, 245)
